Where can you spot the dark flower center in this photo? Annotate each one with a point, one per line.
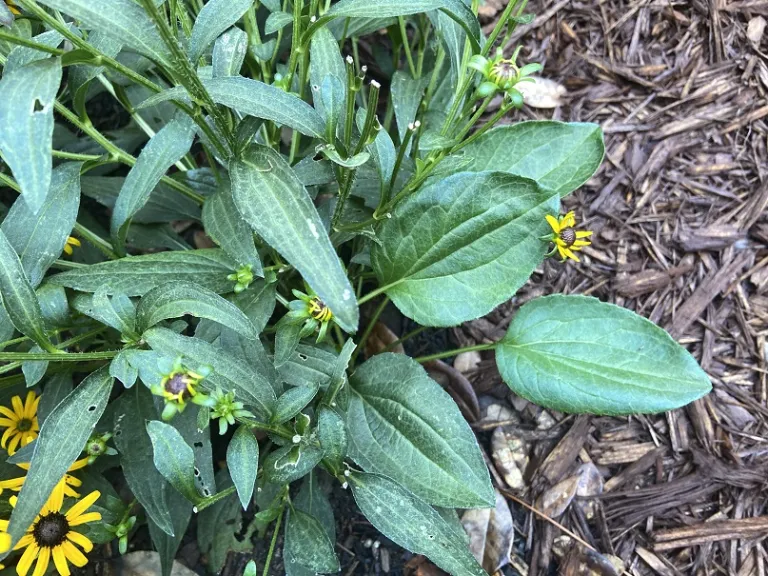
(95, 448)
(505, 70)
(318, 310)
(51, 530)
(568, 235)
(177, 384)
(24, 425)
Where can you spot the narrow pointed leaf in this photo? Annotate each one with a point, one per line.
(215, 17)
(243, 463)
(26, 115)
(461, 246)
(275, 203)
(412, 523)
(162, 151)
(577, 354)
(62, 438)
(292, 401)
(40, 238)
(137, 275)
(174, 459)
(175, 299)
(125, 20)
(229, 53)
(403, 424)
(559, 156)
(18, 297)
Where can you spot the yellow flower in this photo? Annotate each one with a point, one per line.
(566, 238)
(71, 241)
(69, 482)
(51, 535)
(12, 7)
(21, 422)
(178, 386)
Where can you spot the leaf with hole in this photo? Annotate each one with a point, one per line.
(577, 354)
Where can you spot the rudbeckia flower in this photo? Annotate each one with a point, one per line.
(21, 423)
(69, 482)
(51, 535)
(566, 238)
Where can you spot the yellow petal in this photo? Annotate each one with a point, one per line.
(85, 518)
(42, 562)
(56, 499)
(25, 541)
(562, 250)
(18, 407)
(73, 554)
(80, 540)
(13, 483)
(5, 542)
(82, 463)
(583, 233)
(25, 562)
(29, 405)
(13, 444)
(67, 249)
(60, 560)
(7, 434)
(5, 422)
(82, 505)
(560, 242)
(581, 243)
(569, 220)
(5, 411)
(74, 241)
(571, 255)
(553, 223)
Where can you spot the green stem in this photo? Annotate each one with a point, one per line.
(273, 543)
(380, 290)
(369, 328)
(408, 336)
(30, 44)
(396, 170)
(450, 353)
(57, 357)
(475, 117)
(102, 245)
(500, 23)
(77, 157)
(407, 47)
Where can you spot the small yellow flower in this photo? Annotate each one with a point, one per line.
(51, 535)
(21, 423)
(12, 7)
(178, 386)
(566, 238)
(69, 482)
(71, 241)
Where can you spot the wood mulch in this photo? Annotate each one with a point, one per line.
(681, 234)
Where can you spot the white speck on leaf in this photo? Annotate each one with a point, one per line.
(313, 228)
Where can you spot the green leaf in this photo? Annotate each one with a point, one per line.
(557, 155)
(287, 338)
(406, 98)
(118, 312)
(137, 275)
(167, 545)
(124, 20)
(175, 299)
(229, 53)
(23, 55)
(26, 103)
(308, 366)
(18, 297)
(312, 500)
(54, 306)
(217, 527)
(162, 151)
(275, 203)
(412, 523)
(292, 401)
(253, 98)
(136, 456)
(173, 458)
(307, 544)
(62, 438)
(461, 246)
(200, 441)
(39, 238)
(215, 17)
(79, 77)
(258, 303)
(243, 463)
(327, 69)
(121, 368)
(277, 21)
(225, 226)
(291, 462)
(229, 372)
(33, 371)
(333, 434)
(402, 424)
(382, 151)
(56, 389)
(456, 9)
(577, 354)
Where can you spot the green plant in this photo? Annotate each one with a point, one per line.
(323, 192)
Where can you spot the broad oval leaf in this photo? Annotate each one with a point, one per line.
(461, 246)
(175, 299)
(275, 203)
(412, 523)
(333, 434)
(559, 156)
(39, 238)
(456, 9)
(124, 20)
(253, 98)
(292, 401)
(229, 372)
(225, 226)
(27, 96)
(402, 424)
(62, 438)
(136, 456)
(291, 462)
(308, 545)
(215, 17)
(18, 297)
(243, 463)
(162, 151)
(577, 354)
(137, 275)
(173, 458)
(309, 366)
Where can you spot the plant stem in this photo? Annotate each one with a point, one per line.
(407, 336)
(369, 328)
(450, 353)
(374, 293)
(273, 543)
(10, 38)
(60, 357)
(407, 47)
(500, 23)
